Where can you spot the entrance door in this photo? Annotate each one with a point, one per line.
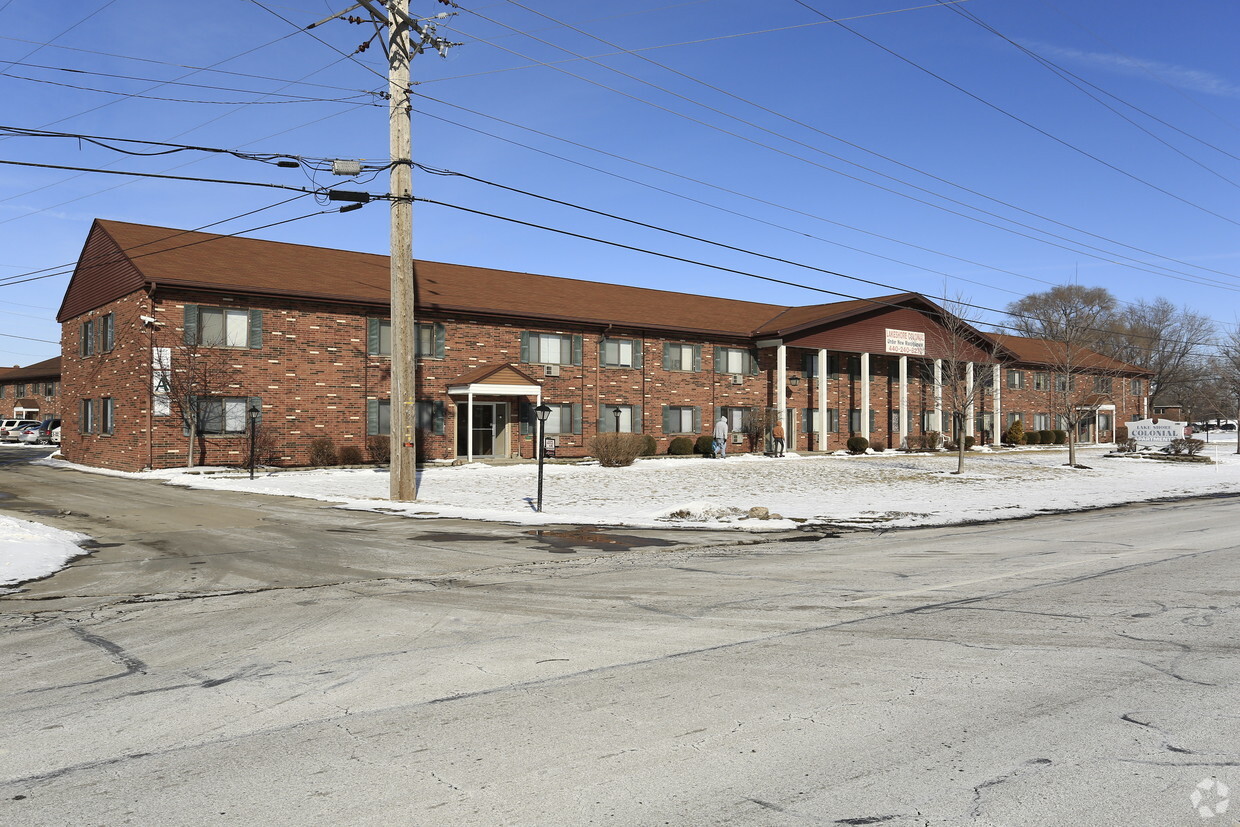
(489, 431)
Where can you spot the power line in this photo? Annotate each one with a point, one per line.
(872, 153)
(156, 175)
(1022, 121)
(1086, 247)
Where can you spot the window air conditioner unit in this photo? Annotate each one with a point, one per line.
(551, 370)
(737, 379)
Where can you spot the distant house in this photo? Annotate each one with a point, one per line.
(303, 335)
(32, 392)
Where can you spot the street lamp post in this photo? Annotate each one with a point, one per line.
(543, 412)
(253, 436)
(616, 413)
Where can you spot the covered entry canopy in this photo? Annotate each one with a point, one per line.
(491, 380)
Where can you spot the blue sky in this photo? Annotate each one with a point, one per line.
(917, 145)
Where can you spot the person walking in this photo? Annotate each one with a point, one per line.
(721, 437)
(777, 434)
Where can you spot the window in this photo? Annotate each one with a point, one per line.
(218, 327)
(87, 419)
(1041, 382)
(1104, 422)
(430, 415)
(1102, 384)
(734, 360)
(810, 364)
(107, 332)
(107, 414)
(833, 420)
(854, 420)
(1136, 387)
(1041, 422)
(563, 419)
(21, 389)
(622, 353)
(88, 338)
(1016, 379)
(735, 417)
(630, 419)
(430, 339)
(223, 327)
(49, 388)
(682, 357)
(550, 349)
(1064, 383)
(222, 415)
(682, 419)
(929, 421)
(1013, 418)
(895, 422)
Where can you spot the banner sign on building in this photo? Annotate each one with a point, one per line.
(908, 342)
(161, 381)
(1156, 431)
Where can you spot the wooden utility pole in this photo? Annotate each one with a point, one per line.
(401, 47)
(403, 419)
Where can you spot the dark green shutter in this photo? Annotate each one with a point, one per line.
(525, 349)
(667, 357)
(697, 358)
(697, 418)
(667, 419)
(637, 419)
(372, 336)
(576, 417)
(577, 353)
(372, 417)
(753, 363)
(719, 365)
(440, 335)
(637, 353)
(256, 329)
(525, 418)
(191, 324)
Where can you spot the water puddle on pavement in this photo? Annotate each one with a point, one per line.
(569, 540)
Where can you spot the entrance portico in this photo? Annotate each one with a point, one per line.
(483, 420)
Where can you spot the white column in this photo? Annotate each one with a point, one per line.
(865, 395)
(938, 396)
(822, 400)
(469, 425)
(968, 414)
(903, 401)
(996, 432)
(781, 389)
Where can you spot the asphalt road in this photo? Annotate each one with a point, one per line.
(1074, 669)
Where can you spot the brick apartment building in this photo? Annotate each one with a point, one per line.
(301, 338)
(32, 392)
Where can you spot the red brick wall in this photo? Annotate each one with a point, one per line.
(314, 377)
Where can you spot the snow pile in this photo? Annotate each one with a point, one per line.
(29, 551)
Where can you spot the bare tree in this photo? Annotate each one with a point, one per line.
(1166, 341)
(1227, 364)
(1070, 321)
(186, 377)
(961, 348)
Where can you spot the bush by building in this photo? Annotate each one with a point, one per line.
(617, 450)
(379, 449)
(322, 451)
(680, 446)
(1015, 434)
(650, 446)
(857, 444)
(349, 455)
(1061, 437)
(705, 445)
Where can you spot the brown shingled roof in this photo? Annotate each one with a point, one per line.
(47, 369)
(164, 256)
(1046, 352)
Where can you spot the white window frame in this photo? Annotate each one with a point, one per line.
(233, 327)
(685, 415)
(680, 355)
(232, 412)
(619, 346)
(560, 420)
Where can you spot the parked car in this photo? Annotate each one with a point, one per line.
(41, 434)
(11, 429)
(56, 435)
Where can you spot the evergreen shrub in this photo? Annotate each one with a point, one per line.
(705, 444)
(680, 446)
(857, 444)
(1061, 437)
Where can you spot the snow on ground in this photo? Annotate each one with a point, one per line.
(892, 489)
(29, 551)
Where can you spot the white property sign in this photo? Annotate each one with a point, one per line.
(1156, 431)
(909, 342)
